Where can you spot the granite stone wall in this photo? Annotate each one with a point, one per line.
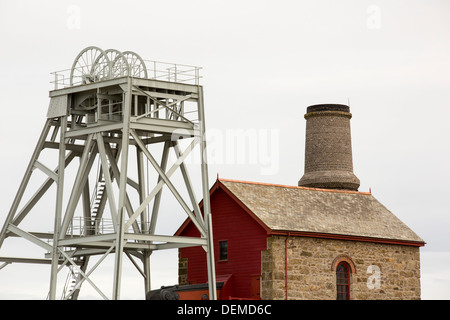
(380, 271)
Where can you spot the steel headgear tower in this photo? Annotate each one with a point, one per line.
(115, 115)
(328, 148)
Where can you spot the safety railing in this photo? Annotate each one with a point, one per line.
(157, 70)
(82, 227)
(172, 72)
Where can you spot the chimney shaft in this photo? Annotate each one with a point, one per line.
(328, 148)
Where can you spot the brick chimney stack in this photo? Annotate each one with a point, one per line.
(328, 148)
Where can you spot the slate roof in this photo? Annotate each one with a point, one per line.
(303, 209)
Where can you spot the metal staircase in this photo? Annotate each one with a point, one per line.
(96, 203)
(72, 280)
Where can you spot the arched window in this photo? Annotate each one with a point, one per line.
(343, 281)
(344, 267)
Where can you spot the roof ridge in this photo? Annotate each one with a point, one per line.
(295, 187)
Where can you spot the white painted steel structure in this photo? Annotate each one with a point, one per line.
(102, 108)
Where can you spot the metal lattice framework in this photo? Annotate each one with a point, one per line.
(109, 109)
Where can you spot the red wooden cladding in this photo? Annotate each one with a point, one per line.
(246, 239)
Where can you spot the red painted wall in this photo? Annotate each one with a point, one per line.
(246, 238)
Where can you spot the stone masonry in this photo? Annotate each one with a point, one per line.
(381, 271)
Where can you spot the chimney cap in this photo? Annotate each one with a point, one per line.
(328, 107)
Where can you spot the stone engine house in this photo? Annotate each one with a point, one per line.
(322, 239)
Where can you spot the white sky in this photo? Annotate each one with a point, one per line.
(263, 63)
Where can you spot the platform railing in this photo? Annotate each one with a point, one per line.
(157, 70)
(82, 227)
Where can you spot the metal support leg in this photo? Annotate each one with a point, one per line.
(144, 221)
(142, 189)
(210, 261)
(146, 263)
(122, 190)
(206, 203)
(58, 209)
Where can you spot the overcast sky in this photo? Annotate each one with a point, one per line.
(263, 63)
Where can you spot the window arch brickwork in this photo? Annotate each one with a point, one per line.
(343, 258)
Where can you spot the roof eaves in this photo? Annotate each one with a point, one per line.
(347, 237)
